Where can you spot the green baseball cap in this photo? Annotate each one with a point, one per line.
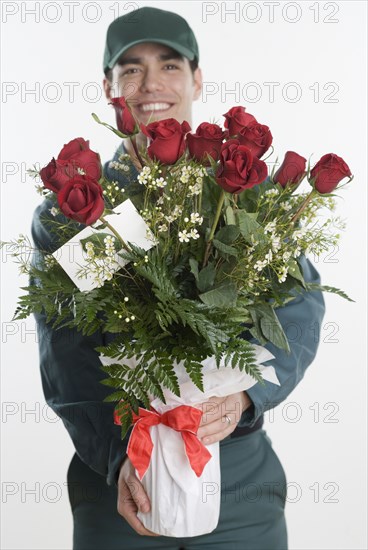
(149, 25)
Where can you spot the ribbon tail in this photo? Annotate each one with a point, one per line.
(197, 453)
(140, 449)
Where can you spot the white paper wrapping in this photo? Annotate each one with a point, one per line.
(182, 504)
(128, 223)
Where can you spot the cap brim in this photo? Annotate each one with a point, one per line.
(177, 47)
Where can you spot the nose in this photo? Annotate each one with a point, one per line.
(152, 81)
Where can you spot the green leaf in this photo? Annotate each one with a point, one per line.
(194, 268)
(229, 216)
(248, 224)
(268, 326)
(332, 289)
(224, 295)
(227, 234)
(294, 271)
(224, 248)
(206, 278)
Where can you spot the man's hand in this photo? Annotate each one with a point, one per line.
(221, 416)
(132, 497)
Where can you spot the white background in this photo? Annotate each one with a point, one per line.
(323, 453)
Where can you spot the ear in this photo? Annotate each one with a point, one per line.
(198, 83)
(107, 88)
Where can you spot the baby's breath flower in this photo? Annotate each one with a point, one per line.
(271, 226)
(283, 274)
(268, 257)
(54, 211)
(272, 192)
(183, 236)
(260, 265)
(160, 182)
(194, 234)
(196, 218)
(276, 243)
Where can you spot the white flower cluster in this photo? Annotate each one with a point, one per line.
(50, 261)
(194, 176)
(103, 265)
(272, 192)
(147, 177)
(54, 211)
(190, 232)
(111, 189)
(119, 166)
(174, 214)
(185, 235)
(123, 312)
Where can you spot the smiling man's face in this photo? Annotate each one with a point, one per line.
(157, 82)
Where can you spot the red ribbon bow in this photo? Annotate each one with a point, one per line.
(182, 419)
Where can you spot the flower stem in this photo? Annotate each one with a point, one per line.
(213, 228)
(134, 143)
(117, 235)
(303, 205)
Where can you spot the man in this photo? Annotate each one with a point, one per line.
(152, 59)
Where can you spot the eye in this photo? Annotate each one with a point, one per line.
(171, 66)
(132, 70)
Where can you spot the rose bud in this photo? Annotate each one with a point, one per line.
(257, 137)
(236, 118)
(74, 158)
(291, 170)
(167, 136)
(125, 121)
(78, 158)
(54, 175)
(207, 140)
(81, 200)
(328, 172)
(239, 169)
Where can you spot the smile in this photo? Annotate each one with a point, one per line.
(149, 107)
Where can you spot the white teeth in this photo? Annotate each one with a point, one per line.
(155, 106)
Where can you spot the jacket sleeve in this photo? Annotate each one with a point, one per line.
(71, 375)
(299, 319)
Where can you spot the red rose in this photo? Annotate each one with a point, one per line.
(167, 137)
(239, 169)
(328, 172)
(207, 139)
(291, 170)
(125, 121)
(81, 199)
(236, 118)
(75, 158)
(256, 137)
(54, 176)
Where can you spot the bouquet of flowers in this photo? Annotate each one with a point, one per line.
(184, 265)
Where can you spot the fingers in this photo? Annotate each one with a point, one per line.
(211, 409)
(131, 498)
(216, 430)
(216, 408)
(220, 417)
